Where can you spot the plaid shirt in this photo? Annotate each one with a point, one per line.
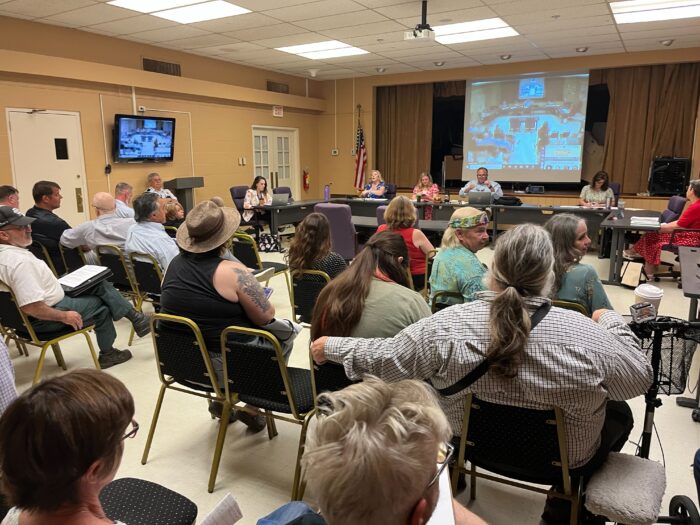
(569, 361)
(8, 392)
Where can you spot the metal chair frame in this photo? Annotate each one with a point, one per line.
(46, 257)
(435, 306)
(573, 488)
(44, 344)
(144, 295)
(669, 247)
(571, 305)
(425, 292)
(297, 417)
(64, 255)
(169, 383)
(297, 281)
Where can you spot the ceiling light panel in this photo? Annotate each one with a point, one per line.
(202, 12)
(635, 11)
(149, 6)
(467, 27)
(475, 36)
(323, 50)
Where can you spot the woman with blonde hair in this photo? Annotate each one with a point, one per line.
(174, 214)
(376, 187)
(400, 217)
(427, 190)
(371, 298)
(456, 268)
(311, 248)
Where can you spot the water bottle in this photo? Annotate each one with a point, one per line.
(607, 203)
(327, 192)
(620, 209)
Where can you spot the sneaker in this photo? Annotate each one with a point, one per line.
(217, 407)
(113, 357)
(255, 423)
(141, 323)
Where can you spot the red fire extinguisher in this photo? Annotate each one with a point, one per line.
(306, 180)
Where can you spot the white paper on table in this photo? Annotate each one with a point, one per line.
(444, 513)
(226, 512)
(79, 276)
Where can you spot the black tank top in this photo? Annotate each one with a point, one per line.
(188, 290)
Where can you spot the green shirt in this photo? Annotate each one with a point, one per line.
(582, 285)
(457, 270)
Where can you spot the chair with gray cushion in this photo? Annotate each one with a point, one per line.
(343, 233)
(284, 189)
(673, 210)
(381, 210)
(390, 192)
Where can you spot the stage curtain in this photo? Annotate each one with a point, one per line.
(404, 132)
(652, 113)
(452, 88)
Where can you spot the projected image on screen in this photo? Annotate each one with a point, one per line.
(526, 129)
(145, 138)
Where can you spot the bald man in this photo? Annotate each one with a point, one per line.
(107, 228)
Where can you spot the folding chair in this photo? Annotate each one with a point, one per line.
(520, 444)
(147, 278)
(14, 320)
(140, 502)
(111, 256)
(73, 258)
(244, 248)
(425, 292)
(184, 365)
(570, 305)
(439, 303)
(171, 230)
(306, 286)
(256, 372)
(40, 252)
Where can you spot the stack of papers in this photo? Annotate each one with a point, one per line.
(644, 221)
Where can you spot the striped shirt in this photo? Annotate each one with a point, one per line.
(569, 361)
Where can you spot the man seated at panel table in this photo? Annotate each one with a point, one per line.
(148, 235)
(482, 183)
(107, 228)
(40, 295)
(382, 423)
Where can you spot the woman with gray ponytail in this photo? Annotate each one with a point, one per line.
(531, 354)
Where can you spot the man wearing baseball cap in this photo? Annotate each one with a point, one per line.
(40, 295)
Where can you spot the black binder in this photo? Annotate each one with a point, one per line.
(87, 284)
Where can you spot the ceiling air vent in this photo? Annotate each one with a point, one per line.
(158, 66)
(278, 87)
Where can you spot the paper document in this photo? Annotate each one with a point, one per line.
(226, 512)
(444, 513)
(79, 276)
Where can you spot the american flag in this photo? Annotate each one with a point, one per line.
(361, 158)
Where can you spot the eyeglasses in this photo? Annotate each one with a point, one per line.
(445, 453)
(134, 430)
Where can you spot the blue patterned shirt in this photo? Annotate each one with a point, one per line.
(457, 270)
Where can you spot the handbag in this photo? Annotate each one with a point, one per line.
(269, 243)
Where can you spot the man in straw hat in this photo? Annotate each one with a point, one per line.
(456, 267)
(214, 292)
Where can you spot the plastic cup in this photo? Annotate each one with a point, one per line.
(648, 293)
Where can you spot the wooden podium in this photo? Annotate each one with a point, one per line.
(183, 188)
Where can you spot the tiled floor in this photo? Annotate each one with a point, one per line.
(258, 472)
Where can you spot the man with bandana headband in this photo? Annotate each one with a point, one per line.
(456, 267)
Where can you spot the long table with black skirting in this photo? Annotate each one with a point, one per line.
(290, 213)
(370, 223)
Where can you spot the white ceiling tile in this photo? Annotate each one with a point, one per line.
(291, 40)
(100, 32)
(344, 20)
(91, 15)
(390, 70)
(436, 10)
(533, 6)
(569, 46)
(375, 29)
(267, 5)
(170, 33)
(452, 17)
(315, 10)
(662, 33)
(496, 59)
(132, 25)
(234, 23)
(42, 8)
(373, 4)
(563, 14)
(195, 42)
(270, 31)
(548, 36)
(592, 50)
(565, 24)
(436, 53)
(575, 40)
(230, 48)
(653, 26)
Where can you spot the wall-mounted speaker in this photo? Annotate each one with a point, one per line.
(669, 176)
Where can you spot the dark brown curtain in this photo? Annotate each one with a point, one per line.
(453, 88)
(404, 131)
(652, 113)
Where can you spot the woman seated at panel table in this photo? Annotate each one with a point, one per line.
(597, 192)
(371, 298)
(649, 246)
(376, 188)
(61, 442)
(257, 195)
(426, 190)
(400, 217)
(310, 248)
(456, 268)
(574, 281)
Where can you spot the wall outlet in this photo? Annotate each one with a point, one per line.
(334, 152)
(142, 108)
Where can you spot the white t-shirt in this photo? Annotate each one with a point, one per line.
(31, 280)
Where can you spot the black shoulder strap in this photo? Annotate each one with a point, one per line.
(483, 367)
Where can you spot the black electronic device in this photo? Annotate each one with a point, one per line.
(143, 139)
(531, 188)
(669, 176)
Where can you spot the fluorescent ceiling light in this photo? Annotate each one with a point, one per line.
(634, 11)
(323, 50)
(468, 27)
(202, 12)
(473, 36)
(149, 6)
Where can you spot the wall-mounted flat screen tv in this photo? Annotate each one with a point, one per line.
(143, 139)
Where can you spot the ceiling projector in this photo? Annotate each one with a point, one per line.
(422, 31)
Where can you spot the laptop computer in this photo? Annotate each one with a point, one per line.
(280, 198)
(480, 197)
